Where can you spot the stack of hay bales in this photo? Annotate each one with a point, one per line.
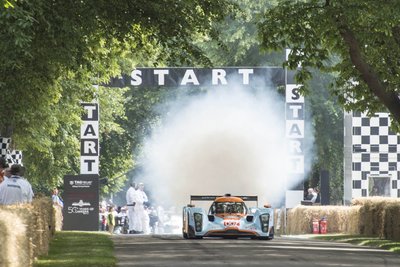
(44, 223)
(372, 216)
(25, 232)
(341, 219)
(16, 245)
(379, 216)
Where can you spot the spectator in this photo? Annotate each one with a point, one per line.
(15, 189)
(318, 200)
(130, 203)
(141, 222)
(7, 173)
(111, 219)
(103, 222)
(118, 220)
(312, 195)
(58, 205)
(57, 200)
(3, 167)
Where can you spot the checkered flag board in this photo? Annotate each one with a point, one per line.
(4, 145)
(376, 153)
(16, 156)
(9, 159)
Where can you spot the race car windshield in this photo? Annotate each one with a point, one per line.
(228, 207)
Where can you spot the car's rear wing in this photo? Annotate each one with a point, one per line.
(213, 197)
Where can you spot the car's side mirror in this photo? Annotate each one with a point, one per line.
(249, 218)
(211, 218)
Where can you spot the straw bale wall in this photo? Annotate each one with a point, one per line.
(25, 228)
(341, 219)
(379, 216)
(373, 216)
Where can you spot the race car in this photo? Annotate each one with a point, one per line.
(228, 217)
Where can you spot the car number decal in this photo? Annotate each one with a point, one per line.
(231, 223)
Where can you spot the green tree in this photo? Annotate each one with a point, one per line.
(237, 44)
(53, 52)
(327, 119)
(363, 35)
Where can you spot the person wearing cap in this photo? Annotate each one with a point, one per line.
(15, 189)
(3, 167)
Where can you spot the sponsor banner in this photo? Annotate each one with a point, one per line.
(81, 202)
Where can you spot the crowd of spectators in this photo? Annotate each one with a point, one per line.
(138, 216)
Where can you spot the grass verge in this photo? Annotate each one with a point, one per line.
(79, 249)
(363, 241)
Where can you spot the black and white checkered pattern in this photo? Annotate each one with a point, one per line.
(376, 153)
(9, 159)
(16, 156)
(4, 146)
(12, 157)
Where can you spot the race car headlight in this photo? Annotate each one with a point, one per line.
(264, 219)
(198, 221)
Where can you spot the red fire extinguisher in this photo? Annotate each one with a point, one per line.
(315, 226)
(323, 225)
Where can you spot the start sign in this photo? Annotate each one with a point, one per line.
(90, 139)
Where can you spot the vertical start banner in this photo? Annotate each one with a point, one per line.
(90, 139)
(81, 192)
(295, 133)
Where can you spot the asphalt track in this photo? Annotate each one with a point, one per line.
(174, 251)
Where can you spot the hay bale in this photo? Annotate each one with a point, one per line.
(58, 218)
(44, 225)
(391, 222)
(26, 228)
(341, 219)
(15, 236)
(372, 214)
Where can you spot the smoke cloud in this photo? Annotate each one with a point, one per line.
(228, 140)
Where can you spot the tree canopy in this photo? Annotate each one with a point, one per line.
(358, 41)
(53, 52)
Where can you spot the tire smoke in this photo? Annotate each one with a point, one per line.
(229, 140)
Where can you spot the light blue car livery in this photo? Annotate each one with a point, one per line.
(228, 217)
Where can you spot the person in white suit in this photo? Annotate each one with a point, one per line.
(141, 222)
(130, 203)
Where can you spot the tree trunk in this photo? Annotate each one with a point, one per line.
(389, 98)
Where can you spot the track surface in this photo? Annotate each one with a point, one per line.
(174, 251)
